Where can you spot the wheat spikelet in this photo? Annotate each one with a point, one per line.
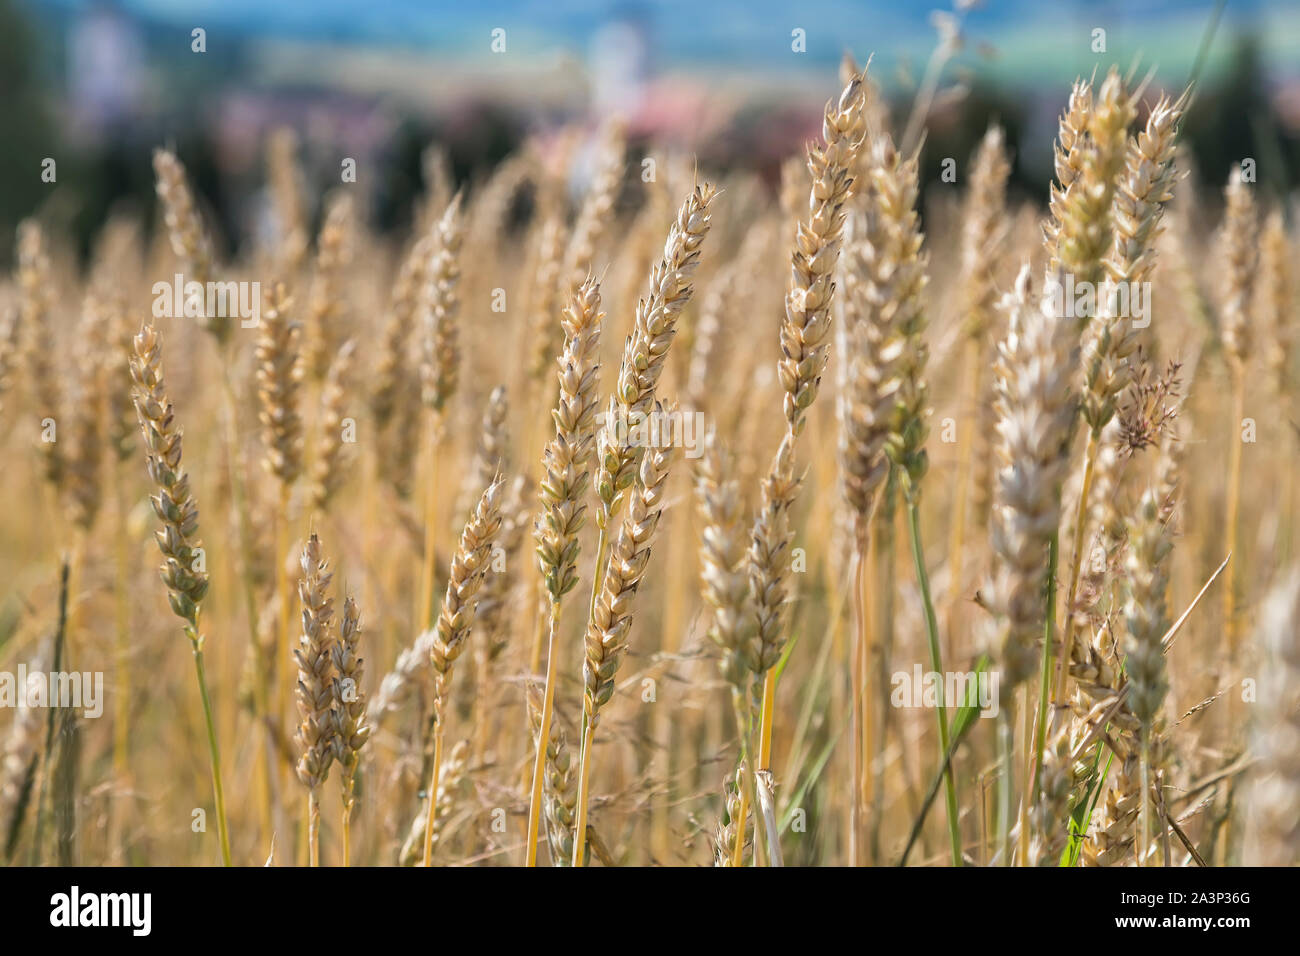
(468, 568)
(172, 502)
(769, 555)
(567, 457)
(596, 214)
(279, 381)
(390, 372)
(189, 238)
(326, 310)
(1276, 299)
(18, 767)
(894, 267)
(314, 656)
(285, 177)
(1082, 234)
(89, 419)
(1145, 187)
(1035, 413)
(1238, 253)
(1145, 612)
(559, 783)
(494, 603)
(449, 783)
(606, 640)
(647, 349)
(724, 837)
(439, 306)
(399, 684)
(35, 285)
(351, 729)
(806, 327)
(1068, 154)
(544, 332)
(724, 568)
(984, 233)
(10, 326)
(327, 474)
(1273, 835)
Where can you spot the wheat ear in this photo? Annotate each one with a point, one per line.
(566, 461)
(183, 565)
(468, 568)
(606, 640)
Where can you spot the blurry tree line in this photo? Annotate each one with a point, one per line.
(1230, 119)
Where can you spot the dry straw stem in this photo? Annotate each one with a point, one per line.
(279, 382)
(606, 640)
(805, 331)
(647, 349)
(1273, 833)
(183, 568)
(468, 567)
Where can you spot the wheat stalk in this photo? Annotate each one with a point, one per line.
(183, 569)
(315, 691)
(468, 568)
(606, 639)
(563, 489)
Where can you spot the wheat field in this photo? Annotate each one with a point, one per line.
(410, 532)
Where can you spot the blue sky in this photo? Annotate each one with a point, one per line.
(1038, 40)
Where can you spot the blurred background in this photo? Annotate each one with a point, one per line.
(96, 84)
